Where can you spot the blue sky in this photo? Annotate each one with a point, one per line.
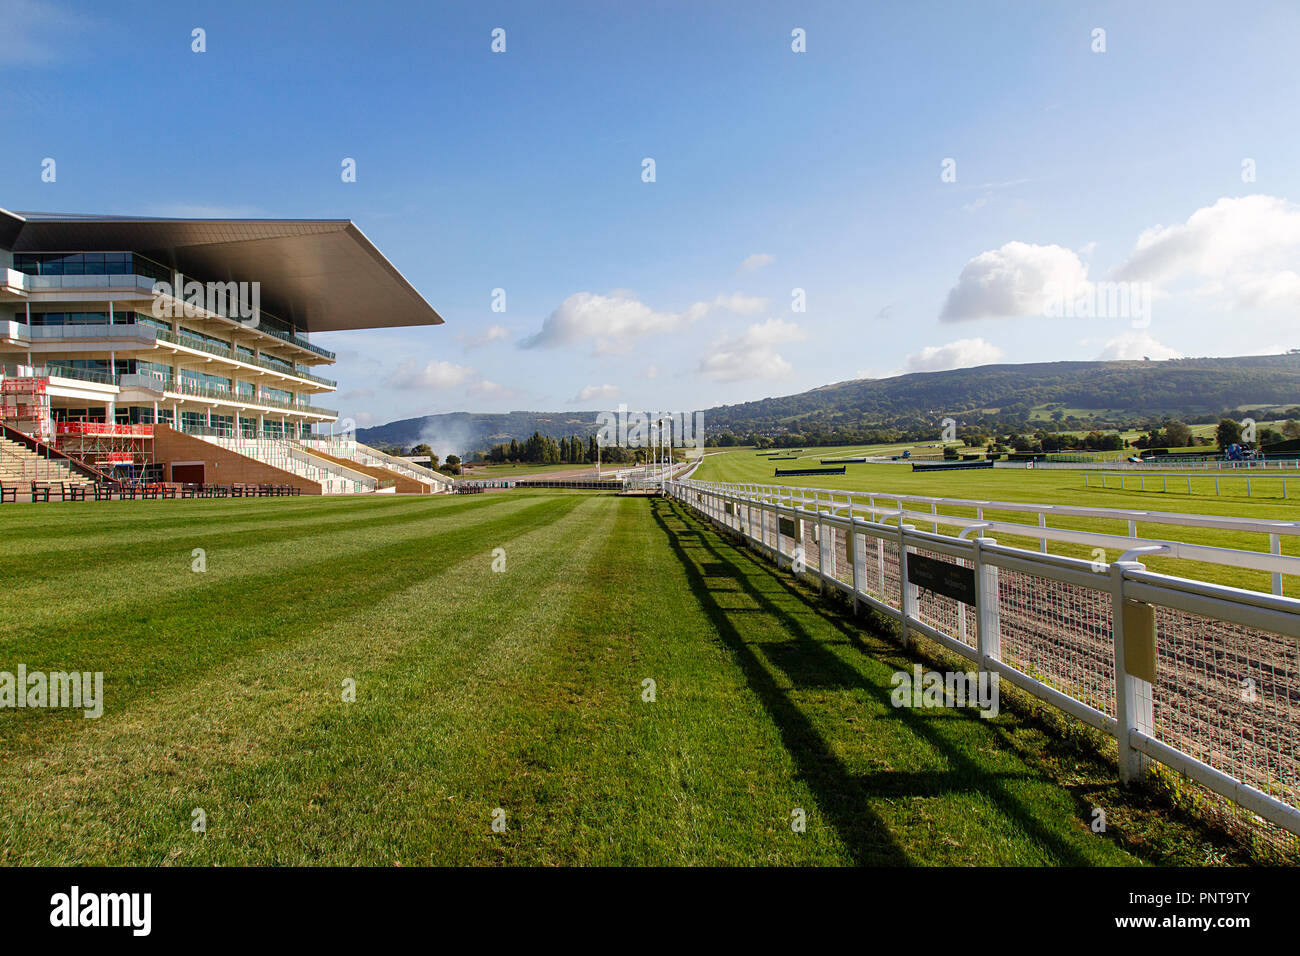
(1169, 162)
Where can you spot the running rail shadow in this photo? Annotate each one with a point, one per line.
(841, 794)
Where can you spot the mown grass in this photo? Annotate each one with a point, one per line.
(523, 470)
(475, 690)
(1057, 486)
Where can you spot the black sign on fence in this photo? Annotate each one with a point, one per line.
(942, 577)
(786, 527)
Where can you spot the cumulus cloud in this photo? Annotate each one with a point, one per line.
(493, 333)
(1243, 249)
(1132, 346)
(757, 261)
(614, 322)
(434, 375)
(963, 353)
(590, 393)
(752, 353)
(1017, 279)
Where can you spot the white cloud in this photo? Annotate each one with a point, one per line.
(1017, 279)
(757, 261)
(492, 390)
(963, 353)
(493, 333)
(614, 322)
(434, 375)
(1243, 249)
(590, 393)
(736, 302)
(752, 354)
(1132, 346)
(652, 371)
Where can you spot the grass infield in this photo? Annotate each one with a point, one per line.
(1060, 487)
(520, 690)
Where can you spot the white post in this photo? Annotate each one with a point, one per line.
(988, 615)
(1275, 545)
(859, 562)
(1132, 694)
(825, 552)
(907, 594)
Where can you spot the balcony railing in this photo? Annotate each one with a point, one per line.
(182, 387)
(57, 371)
(146, 284)
(299, 341)
(203, 345)
(147, 334)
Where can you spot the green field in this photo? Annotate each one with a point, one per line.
(476, 690)
(479, 472)
(1054, 486)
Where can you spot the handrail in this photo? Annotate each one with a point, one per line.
(1217, 522)
(202, 345)
(1271, 561)
(49, 451)
(227, 396)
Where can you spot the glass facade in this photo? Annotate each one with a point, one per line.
(193, 421)
(205, 380)
(120, 317)
(89, 264)
(133, 263)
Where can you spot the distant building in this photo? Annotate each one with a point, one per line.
(198, 324)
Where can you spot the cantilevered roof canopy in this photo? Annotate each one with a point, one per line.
(323, 275)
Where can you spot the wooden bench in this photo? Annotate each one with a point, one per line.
(72, 491)
(40, 491)
(169, 489)
(189, 491)
(104, 491)
(8, 492)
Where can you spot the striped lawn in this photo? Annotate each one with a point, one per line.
(477, 691)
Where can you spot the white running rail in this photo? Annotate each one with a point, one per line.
(872, 505)
(1200, 677)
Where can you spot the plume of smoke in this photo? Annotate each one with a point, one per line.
(447, 438)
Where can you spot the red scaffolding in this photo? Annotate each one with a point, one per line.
(106, 446)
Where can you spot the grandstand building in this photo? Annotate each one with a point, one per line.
(182, 345)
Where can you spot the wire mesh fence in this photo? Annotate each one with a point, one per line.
(1060, 634)
(1223, 695)
(1229, 696)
